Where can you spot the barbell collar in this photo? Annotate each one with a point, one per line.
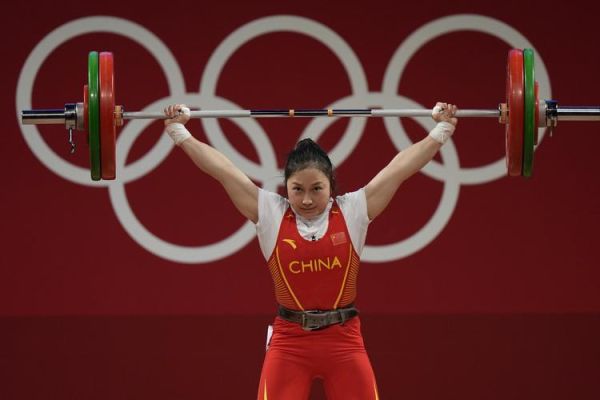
(80, 123)
(71, 116)
(551, 113)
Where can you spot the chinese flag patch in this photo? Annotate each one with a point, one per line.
(338, 238)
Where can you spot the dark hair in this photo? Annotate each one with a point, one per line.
(308, 154)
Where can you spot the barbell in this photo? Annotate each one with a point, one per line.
(522, 114)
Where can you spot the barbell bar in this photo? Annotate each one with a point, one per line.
(71, 114)
(522, 113)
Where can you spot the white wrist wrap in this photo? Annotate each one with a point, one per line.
(442, 132)
(178, 132)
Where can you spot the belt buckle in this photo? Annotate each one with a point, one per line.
(305, 324)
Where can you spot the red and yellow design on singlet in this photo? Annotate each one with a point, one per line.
(314, 275)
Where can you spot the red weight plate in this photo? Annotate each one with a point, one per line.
(108, 129)
(515, 101)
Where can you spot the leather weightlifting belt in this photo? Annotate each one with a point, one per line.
(311, 320)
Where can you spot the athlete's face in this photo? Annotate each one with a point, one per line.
(308, 192)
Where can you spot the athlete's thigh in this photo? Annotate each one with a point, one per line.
(284, 376)
(351, 379)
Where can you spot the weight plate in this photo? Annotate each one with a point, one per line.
(529, 116)
(93, 116)
(514, 100)
(108, 130)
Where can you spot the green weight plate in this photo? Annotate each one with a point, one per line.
(537, 113)
(94, 115)
(529, 115)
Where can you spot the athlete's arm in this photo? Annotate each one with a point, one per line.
(241, 190)
(380, 190)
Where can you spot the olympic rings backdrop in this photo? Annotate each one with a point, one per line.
(161, 249)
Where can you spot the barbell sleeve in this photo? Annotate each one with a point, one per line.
(578, 113)
(43, 116)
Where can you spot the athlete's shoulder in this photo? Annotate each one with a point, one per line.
(272, 199)
(351, 198)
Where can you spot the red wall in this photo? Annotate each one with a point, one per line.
(499, 299)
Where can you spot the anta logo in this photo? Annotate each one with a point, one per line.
(291, 242)
(314, 265)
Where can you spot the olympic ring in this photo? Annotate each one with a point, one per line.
(262, 26)
(450, 173)
(149, 241)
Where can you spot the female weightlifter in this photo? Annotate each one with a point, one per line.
(312, 244)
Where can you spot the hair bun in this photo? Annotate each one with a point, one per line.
(306, 143)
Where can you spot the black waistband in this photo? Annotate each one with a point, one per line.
(311, 320)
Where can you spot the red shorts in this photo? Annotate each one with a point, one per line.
(335, 354)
